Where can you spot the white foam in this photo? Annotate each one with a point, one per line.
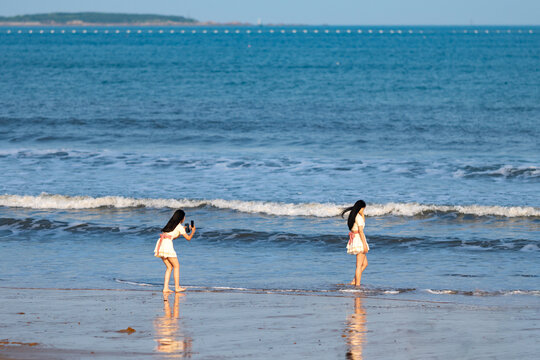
(132, 282)
(530, 248)
(64, 202)
(440, 292)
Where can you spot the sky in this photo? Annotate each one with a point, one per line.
(309, 12)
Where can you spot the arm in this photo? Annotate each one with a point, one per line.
(188, 237)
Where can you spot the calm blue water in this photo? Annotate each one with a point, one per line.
(263, 138)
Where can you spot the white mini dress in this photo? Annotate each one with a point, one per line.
(164, 245)
(355, 245)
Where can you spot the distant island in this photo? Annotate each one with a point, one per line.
(100, 19)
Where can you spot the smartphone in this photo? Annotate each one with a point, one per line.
(192, 224)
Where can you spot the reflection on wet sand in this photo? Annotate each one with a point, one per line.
(169, 337)
(355, 332)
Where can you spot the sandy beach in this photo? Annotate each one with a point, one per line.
(68, 324)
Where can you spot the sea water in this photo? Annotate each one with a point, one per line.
(263, 135)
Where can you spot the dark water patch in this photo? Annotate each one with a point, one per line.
(239, 237)
(31, 224)
(466, 275)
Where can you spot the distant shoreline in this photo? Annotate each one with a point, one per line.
(147, 24)
(106, 19)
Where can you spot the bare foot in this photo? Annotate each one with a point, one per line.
(167, 291)
(352, 283)
(180, 289)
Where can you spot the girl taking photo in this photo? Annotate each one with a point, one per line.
(357, 240)
(165, 249)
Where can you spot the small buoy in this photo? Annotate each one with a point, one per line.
(106, 31)
(316, 31)
(117, 31)
(530, 31)
(348, 31)
(294, 31)
(215, 31)
(327, 31)
(249, 45)
(337, 63)
(172, 31)
(305, 31)
(271, 31)
(73, 31)
(84, 31)
(338, 31)
(41, 31)
(204, 31)
(283, 31)
(29, 31)
(193, 31)
(410, 31)
(139, 31)
(95, 31)
(226, 31)
(399, 31)
(259, 31)
(381, 31)
(237, 31)
(52, 31)
(63, 31)
(248, 31)
(9, 31)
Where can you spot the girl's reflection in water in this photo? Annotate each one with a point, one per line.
(356, 330)
(170, 340)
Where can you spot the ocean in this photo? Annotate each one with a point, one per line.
(262, 135)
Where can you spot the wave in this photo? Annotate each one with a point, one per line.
(341, 289)
(505, 171)
(10, 226)
(483, 292)
(324, 210)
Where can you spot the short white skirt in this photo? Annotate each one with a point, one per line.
(166, 249)
(356, 246)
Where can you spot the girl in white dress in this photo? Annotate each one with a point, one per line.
(165, 249)
(357, 240)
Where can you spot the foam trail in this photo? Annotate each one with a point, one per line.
(64, 202)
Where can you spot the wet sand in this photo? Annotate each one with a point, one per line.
(81, 324)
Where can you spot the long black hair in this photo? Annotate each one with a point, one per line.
(174, 221)
(353, 212)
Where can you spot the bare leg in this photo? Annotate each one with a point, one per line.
(167, 274)
(358, 274)
(365, 263)
(176, 265)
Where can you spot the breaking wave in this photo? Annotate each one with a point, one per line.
(64, 202)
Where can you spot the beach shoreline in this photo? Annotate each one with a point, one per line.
(62, 324)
